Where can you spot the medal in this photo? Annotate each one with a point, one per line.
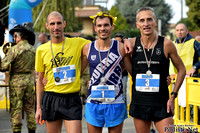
(148, 73)
(103, 80)
(57, 79)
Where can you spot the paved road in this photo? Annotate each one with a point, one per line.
(5, 124)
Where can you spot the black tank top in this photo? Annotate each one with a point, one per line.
(159, 65)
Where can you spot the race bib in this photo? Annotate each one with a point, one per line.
(103, 93)
(146, 83)
(64, 74)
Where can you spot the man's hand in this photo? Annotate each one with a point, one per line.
(44, 81)
(128, 47)
(191, 72)
(168, 80)
(38, 116)
(170, 105)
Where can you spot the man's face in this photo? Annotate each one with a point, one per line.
(103, 28)
(16, 38)
(146, 22)
(42, 39)
(55, 25)
(181, 31)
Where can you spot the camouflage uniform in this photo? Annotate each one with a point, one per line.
(22, 94)
(84, 84)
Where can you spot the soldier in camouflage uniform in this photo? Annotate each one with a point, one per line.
(84, 84)
(21, 58)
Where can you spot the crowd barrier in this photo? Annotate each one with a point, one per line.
(188, 117)
(4, 91)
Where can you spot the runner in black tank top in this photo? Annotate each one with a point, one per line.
(159, 65)
(150, 60)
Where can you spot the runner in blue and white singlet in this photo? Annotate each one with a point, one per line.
(112, 73)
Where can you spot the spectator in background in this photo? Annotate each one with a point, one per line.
(118, 37)
(21, 58)
(188, 49)
(43, 38)
(197, 38)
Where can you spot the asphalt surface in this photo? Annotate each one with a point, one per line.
(5, 124)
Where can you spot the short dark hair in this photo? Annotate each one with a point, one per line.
(119, 35)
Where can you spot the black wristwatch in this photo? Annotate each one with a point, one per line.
(124, 38)
(174, 93)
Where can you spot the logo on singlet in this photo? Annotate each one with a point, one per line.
(139, 49)
(93, 57)
(158, 51)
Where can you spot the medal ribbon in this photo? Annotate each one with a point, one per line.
(60, 56)
(148, 61)
(103, 68)
(179, 50)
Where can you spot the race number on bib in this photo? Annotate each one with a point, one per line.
(103, 93)
(146, 83)
(64, 74)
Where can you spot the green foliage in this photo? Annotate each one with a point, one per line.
(121, 24)
(128, 9)
(191, 26)
(194, 12)
(65, 7)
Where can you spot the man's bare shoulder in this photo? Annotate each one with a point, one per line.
(86, 48)
(168, 44)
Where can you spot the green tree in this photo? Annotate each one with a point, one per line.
(128, 9)
(191, 26)
(65, 7)
(121, 24)
(4, 14)
(194, 12)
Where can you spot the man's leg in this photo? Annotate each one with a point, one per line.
(116, 129)
(94, 129)
(54, 126)
(142, 126)
(16, 94)
(73, 126)
(164, 124)
(29, 108)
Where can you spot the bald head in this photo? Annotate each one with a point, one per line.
(197, 38)
(54, 14)
(181, 31)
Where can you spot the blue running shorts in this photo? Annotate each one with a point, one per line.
(109, 114)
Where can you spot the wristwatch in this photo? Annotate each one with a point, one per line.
(174, 93)
(124, 38)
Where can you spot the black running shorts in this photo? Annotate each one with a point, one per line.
(150, 113)
(57, 106)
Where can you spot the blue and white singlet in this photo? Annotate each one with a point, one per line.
(112, 73)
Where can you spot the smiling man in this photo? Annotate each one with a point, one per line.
(105, 102)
